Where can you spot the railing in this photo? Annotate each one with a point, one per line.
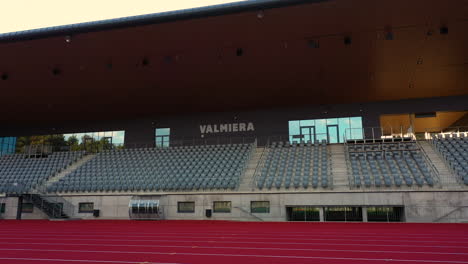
(379, 134)
(54, 207)
(330, 166)
(445, 132)
(445, 216)
(260, 164)
(348, 166)
(246, 164)
(67, 208)
(446, 213)
(442, 156)
(248, 213)
(431, 165)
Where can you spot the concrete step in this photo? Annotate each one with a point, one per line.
(67, 171)
(338, 165)
(446, 176)
(246, 182)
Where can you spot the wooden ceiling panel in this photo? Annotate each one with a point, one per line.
(193, 65)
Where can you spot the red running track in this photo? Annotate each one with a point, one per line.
(212, 242)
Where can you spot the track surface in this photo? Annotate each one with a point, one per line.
(210, 242)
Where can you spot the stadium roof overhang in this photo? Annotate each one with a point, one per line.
(248, 55)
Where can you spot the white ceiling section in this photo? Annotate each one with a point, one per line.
(23, 15)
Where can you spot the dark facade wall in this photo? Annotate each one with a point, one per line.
(268, 122)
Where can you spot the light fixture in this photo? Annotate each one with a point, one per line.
(444, 30)
(260, 14)
(313, 43)
(347, 40)
(56, 71)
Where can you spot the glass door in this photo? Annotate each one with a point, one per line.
(333, 134)
(308, 134)
(107, 143)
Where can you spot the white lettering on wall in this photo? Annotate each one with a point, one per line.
(227, 128)
(203, 129)
(241, 127)
(222, 128)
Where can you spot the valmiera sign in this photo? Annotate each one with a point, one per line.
(227, 128)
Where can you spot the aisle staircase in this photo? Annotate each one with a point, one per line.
(447, 178)
(338, 166)
(247, 182)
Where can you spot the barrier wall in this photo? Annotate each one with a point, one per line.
(422, 206)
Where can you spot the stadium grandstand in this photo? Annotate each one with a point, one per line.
(259, 111)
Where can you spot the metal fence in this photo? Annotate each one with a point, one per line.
(446, 132)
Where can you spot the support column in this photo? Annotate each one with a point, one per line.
(321, 214)
(364, 214)
(19, 208)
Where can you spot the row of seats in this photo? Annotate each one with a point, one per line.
(383, 146)
(403, 166)
(295, 165)
(20, 173)
(454, 148)
(160, 169)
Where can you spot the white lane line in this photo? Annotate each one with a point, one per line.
(246, 248)
(292, 234)
(248, 238)
(244, 242)
(239, 255)
(86, 260)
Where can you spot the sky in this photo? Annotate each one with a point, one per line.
(19, 15)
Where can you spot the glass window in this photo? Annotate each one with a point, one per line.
(222, 207)
(260, 207)
(332, 129)
(27, 208)
(332, 121)
(186, 207)
(344, 125)
(163, 131)
(85, 207)
(294, 130)
(7, 145)
(162, 137)
(2, 208)
(356, 128)
(321, 129)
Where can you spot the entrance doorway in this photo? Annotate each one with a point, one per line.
(333, 134)
(303, 213)
(346, 214)
(308, 134)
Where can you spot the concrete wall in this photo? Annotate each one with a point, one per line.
(419, 206)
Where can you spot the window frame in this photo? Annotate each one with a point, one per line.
(29, 211)
(267, 211)
(162, 140)
(185, 211)
(80, 210)
(222, 212)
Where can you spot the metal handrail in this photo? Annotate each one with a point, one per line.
(449, 213)
(443, 157)
(262, 162)
(348, 166)
(247, 212)
(434, 170)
